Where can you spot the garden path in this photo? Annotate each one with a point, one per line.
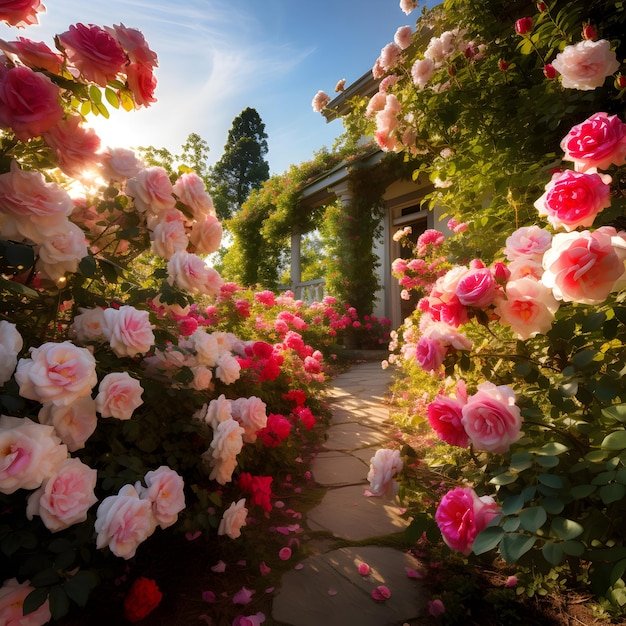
(347, 528)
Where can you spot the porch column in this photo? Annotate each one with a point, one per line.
(296, 270)
(343, 191)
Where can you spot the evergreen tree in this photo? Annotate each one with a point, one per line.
(242, 167)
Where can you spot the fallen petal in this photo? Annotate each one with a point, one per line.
(364, 569)
(332, 592)
(381, 593)
(411, 573)
(219, 567)
(193, 536)
(243, 596)
(284, 554)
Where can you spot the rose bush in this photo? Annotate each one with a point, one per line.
(533, 283)
(135, 383)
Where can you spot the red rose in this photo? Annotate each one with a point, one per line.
(143, 597)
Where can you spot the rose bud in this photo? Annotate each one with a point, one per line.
(524, 25)
(589, 32)
(549, 71)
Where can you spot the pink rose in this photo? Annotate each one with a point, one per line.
(218, 410)
(118, 164)
(491, 418)
(119, 394)
(11, 344)
(319, 102)
(234, 519)
(206, 346)
(462, 515)
(128, 330)
(29, 453)
(528, 242)
(422, 71)
(134, 44)
(202, 378)
(123, 522)
(65, 497)
(29, 102)
(444, 334)
(444, 416)
(61, 251)
(151, 190)
(573, 199)
(584, 266)
(12, 596)
(20, 13)
(190, 273)
(599, 141)
(477, 288)
(142, 82)
(403, 37)
(586, 65)
(384, 465)
(60, 373)
(31, 204)
(206, 234)
(88, 325)
(96, 54)
(169, 235)
(226, 445)
(191, 191)
(228, 369)
(164, 489)
(73, 145)
(74, 424)
(390, 56)
(529, 307)
(251, 413)
(430, 354)
(34, 54)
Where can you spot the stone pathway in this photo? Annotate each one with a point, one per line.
(327, 589)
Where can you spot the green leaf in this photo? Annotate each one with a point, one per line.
(584, 358)
(111, 98)
(488, 539)
(573, 548)
(59, 602)
(614, 441)
(87, 266)
(79, 586)
(618, 571)
(612, 493)
(506, 478)
(552, 552)
(565, 529)
(514, 545)
(593, 321)
(520, 461)
(616, 412)
(533, 518)
(547, 461)
(34, 600)
(511, 524)
(579, 492)
(512, 504)
(550, 480)
(553, 505)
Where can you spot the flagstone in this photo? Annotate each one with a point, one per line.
(338, 468)
(350, 436)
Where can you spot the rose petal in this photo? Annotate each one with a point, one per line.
(332, 592)
(381, 593)
(193, 536)
(208, 596)
(243, 596)
(411, 573)
(284, 554)
(364, 569)
(298, 567)
(264, 568)
(219, 567)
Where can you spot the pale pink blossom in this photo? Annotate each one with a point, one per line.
(375, 104)
(88, 325)
(119, 394)
(202, 378)
(94, 52)
(74, 146)
(585, 266)
(165, 491)
(218, 410)
(403, 37)
(226, 445)
(390, 56)
(491, 418)
(191, 191)
(598, 142)
(11, 344)
(228, 369)
(30, 204)
(12, 597)
(529, 307)
(528, 242)
(206, 346)
(320, 100)
(525, 268)
(430, 353)
(422, 71)
(408, 5)
(586, 65)
(251, 413)
(233, 519)
(462, 515)
(119, 164)
(61, 250)
(445, 334)
(440, 47)
(60, 373)
(151, 190)
(168, 234)
(74, 423)
(573, 199)
(341, 85)
(128, 330)
(206, 234)
(123, 522)
(29, 453)
(190, 273)
(65, 497)
(384, 465)
(34, 54)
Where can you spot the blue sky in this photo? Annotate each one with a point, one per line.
(217, 57)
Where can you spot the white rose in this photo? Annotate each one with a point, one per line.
(586, 65)
(11, 343)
